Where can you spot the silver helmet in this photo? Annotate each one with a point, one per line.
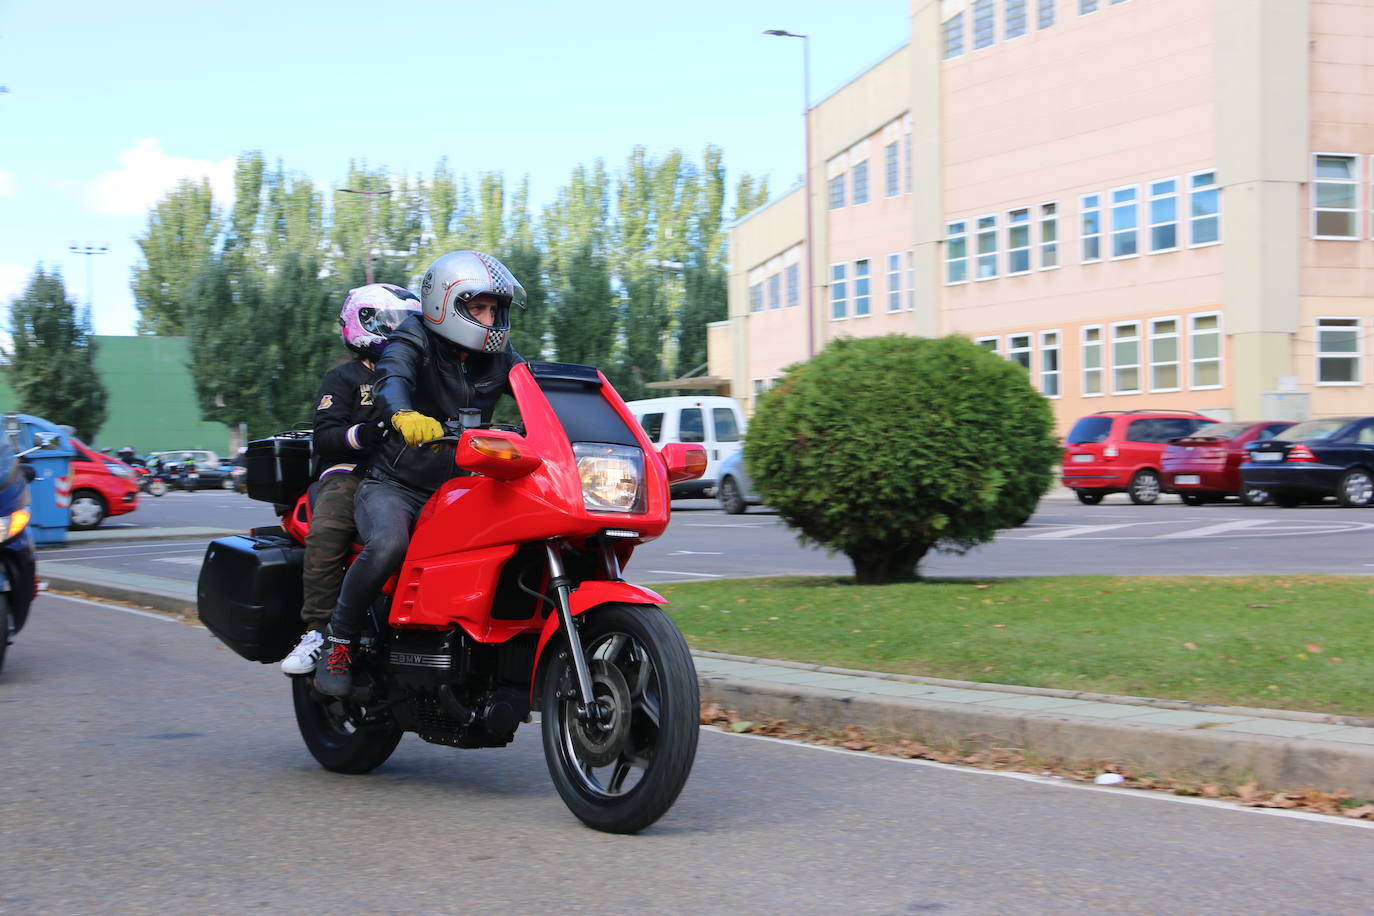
(455, 280)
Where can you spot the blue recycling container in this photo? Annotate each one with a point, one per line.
(51, 488)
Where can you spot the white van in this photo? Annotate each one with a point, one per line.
(714, 422)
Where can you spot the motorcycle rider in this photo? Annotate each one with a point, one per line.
(348, 427)
(456, 353)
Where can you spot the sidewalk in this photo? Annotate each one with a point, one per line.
(1280, 749)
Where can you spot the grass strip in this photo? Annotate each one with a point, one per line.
(1284, 642)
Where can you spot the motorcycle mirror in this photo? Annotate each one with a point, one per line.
(684, 461)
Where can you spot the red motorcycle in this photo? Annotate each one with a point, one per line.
(510, 600)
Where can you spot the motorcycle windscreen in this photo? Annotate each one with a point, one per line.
(574, 393)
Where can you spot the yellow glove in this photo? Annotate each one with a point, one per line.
(415, 427)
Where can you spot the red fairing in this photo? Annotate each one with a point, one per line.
(296, 523)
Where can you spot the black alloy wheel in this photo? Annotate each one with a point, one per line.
(622, 770)
(6, 627)
(1144, 488)
(1253, 496)
(1089, 497)
(336, 732)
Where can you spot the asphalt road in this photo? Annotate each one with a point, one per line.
(145, 768)
(1063, 538)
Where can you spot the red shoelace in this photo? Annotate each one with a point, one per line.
(339, 661)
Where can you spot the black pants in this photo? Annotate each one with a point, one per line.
(385, 513)
(326, 547)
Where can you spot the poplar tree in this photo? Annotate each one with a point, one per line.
(180, 238)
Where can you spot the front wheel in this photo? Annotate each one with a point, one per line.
(87, 510)
(621, 772)
(1144, 488)
(339, 733)
(157, 487)
(6, 627)
(1356, 489)
(731, 499)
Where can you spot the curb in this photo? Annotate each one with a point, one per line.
(171, 604)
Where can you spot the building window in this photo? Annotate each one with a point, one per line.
(1338, 351)
(956, 252)
(1091, 208)
(1335, 197)
(1164, 215)
(1019, 350)
(861, 183)
(1049, 363)
(890, 159)
(837, 192)
(1092, 361)
(1013, 18)
(1126, 357)
(982, 24)
(1087, 6)
(793, 285)
(993, 343)
(894, 283)
(1125, 223)
(756, 297)
(1049, 236)
(910, 281)
(775, 291)
(1044, 13)
(906, 163)
(839, 292)
(1204, 209)
(861, 293)
(1204, 351)
(954, 35)
(1164, 354)
(987, 248)
(1018, 241)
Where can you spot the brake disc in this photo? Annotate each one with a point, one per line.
(598, 742)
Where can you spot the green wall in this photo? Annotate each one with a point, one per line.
(152, 404)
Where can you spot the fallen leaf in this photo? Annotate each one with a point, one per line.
(999, 626)
(741, 727)
(1189, 646)
(982, 586)
(1260, 605)
(1361, 811)
(1313, 648)
(1334, 661)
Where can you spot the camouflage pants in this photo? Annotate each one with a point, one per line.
(326, 547)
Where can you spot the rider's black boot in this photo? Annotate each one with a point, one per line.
(334, 670)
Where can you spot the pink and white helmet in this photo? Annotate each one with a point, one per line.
(372, 312)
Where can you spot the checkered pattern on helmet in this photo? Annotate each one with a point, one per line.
(500, 277)
(496, 341)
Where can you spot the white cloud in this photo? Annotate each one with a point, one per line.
(146, 173)
(8, 186)
(13, 279)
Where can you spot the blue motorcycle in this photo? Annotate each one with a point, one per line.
(18, 573)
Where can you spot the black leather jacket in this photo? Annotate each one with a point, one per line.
(423, 372)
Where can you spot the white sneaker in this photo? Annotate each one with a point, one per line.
(302, 658)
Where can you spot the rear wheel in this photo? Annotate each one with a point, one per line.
(1356, 489)
(730, 497)
(1089, 497)
(1253, 496)
(337, 731)
(1144, 488)
(621, 772)
(6, 627)
(157, 487)
(87, 510)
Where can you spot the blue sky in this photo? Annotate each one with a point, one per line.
(109, 104)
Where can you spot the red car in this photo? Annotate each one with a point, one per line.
(1119, 451)
(1205, 466)
(101, 486)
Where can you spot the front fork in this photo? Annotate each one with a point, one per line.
(587, 708)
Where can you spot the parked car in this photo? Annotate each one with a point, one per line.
(101, 486)
(714, 422)
(212, 472)
(1119, 451)
(736, 489)
(1205, 466)
(1313, 460)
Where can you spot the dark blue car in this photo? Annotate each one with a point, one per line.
(1312, 460)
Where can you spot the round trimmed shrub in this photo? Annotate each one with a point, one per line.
(886, 447)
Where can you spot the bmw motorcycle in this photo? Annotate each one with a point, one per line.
(511, 600)
(18, 573)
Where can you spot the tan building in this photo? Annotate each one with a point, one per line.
(1147, 203)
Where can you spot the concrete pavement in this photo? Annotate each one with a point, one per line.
(1282, 750)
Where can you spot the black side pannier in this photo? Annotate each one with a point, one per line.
(249, 594)
(280, 469)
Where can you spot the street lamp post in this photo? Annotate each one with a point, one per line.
(368, 243)
(88, 250)
(806, 183)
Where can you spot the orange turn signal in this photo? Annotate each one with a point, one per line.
(504, 449)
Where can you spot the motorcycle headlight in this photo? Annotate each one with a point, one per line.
(12, 524)
(612, 477)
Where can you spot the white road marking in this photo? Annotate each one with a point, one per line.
(696, 553)
(705, 525)
(1075, 532)
(1215, 529)
(1141, 794)
(674, 572)
(116, 607)
(188, 561)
